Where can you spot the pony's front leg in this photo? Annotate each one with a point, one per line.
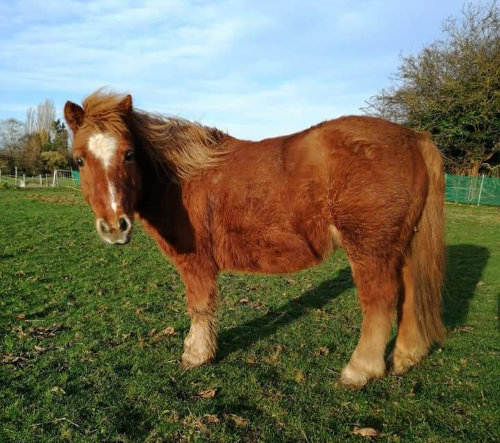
(201, 342)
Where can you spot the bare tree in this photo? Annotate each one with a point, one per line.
(30, 123)
(11, 132)
(45, 116)
(11, 141)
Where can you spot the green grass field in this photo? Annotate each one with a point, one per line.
(91, 336)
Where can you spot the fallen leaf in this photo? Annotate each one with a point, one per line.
(139, 314)
(323, 350)
(195, 422)
(172, 416)
(252, 360)
(244, 300)
(166, 332)
(300, 377)
(18, 361)
(240, 422)
(365, 432)
(40, 349)
(274, 357)
(21, 316)
(258, 306)
(211, 418)
(41, 331)
(19, 331)
(209, 393)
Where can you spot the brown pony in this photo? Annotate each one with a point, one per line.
(213, 202)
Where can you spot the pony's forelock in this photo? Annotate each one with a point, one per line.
(102, 112)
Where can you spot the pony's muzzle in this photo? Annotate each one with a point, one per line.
(116, 233)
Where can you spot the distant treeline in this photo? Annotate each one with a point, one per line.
(38, 145)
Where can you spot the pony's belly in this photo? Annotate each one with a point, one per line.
(277, 262)
(272, 255)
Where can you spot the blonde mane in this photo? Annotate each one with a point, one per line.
(183, 147)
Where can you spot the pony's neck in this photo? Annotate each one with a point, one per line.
(155, 182)
(184, 147)
(162, 212)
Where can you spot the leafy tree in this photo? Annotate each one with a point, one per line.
(452, 90)
(60, 138)
(53, 160)
(4, 162)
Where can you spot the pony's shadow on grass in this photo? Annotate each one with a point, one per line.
(464, 267)
(243, 336)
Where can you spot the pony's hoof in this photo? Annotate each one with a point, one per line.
(358, 372)
(400, 362)
(352, 379)
(193, 360)
(187, 364)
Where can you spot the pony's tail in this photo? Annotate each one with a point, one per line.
(427, 250)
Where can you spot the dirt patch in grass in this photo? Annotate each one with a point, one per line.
(62, 199)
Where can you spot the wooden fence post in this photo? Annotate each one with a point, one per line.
(480, 190)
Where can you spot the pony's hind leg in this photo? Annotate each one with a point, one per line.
(411, 345)
(378, 284)
(200, 344)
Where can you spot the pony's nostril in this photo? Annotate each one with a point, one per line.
(102, 226)
(124, 224)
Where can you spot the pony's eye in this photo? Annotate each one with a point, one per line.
(129, 156)
(79, 162)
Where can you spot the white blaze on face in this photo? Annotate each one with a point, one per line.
(112, 196)
(103, 147)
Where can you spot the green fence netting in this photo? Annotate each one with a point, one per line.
(76, 177)
(474, 190)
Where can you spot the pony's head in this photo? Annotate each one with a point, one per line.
(104, 150)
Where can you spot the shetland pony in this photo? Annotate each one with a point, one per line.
(213, 202)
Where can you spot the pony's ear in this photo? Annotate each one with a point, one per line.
(126, 104)
(73, 114)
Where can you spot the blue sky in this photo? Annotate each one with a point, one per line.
(252, 68)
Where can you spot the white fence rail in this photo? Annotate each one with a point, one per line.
(58, 178)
